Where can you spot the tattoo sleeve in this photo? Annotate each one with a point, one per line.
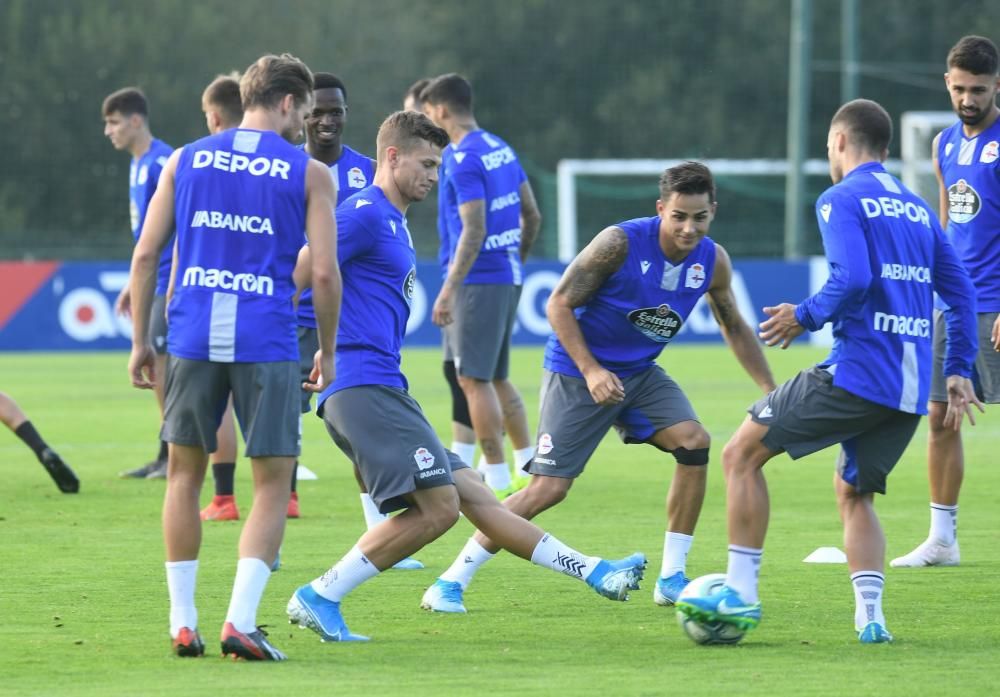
(601, 258)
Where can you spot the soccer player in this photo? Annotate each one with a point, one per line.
(409, 468)
(126, 125)
(240, 199)
(411, 100)
(12, 417)
(619, 303)
(887, 257)
(967, 164)
(492, 220)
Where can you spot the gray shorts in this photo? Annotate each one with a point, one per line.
(572, 425)
(265, 399)
(158, 324)
(308, 346)
(986, 370)
(383, 431)
(809, 413)
(479, 338)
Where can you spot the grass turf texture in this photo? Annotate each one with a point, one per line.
(83, 598)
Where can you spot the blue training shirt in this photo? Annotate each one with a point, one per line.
(971, 172)
(887, 257)
(641, 306)
(484, 167)
(240, 211)
(143, 176)
(444, 239)
(379, 271)
(351, 173)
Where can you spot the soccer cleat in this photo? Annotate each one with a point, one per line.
(930, 553)
(614, 579)
(874, 633)
(516, 484)
(724, 605)
(408, 564)
(221, 508)
(251, 647)
(667, 588)
(60, 472)
(145, 471)
(310, 610)
(188, 643)
(293, 506)
(276, 564)
(443, 596)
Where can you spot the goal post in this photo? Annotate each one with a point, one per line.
(916, 136)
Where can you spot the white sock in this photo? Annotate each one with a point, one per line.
(372, 515)
(497, 476)
(344, 576)
(248, 588)
(553, 554)
(868, 586)
(465, 451)
(944, 523)
(676, 546)
(467, 563)
(743, 570)
(521, 458)
(181, 578)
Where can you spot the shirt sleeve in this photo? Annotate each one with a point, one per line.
(354, 237)
(846, 250)
(952, 283)
(469, 179)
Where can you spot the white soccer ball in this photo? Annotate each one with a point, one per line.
(707, 632)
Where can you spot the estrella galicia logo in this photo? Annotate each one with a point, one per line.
(660, 324)
(409, 285)
(964, 202)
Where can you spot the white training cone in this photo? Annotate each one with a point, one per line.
(826, 555)
(304, 473)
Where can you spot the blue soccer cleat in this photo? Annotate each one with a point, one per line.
(724, 605)
(614, 579)
(668, 588)
(310, 610)
(408, 563)
(443, 596)
(874, 633)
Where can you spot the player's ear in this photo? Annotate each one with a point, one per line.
(659, 207)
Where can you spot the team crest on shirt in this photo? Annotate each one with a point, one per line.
(825, 210)
(143, 174)
(695, 276)
(659, 324)
(964, 202)
(356, 179)
(990, 152)
(424, 458)
(410, 285)
(544, 444)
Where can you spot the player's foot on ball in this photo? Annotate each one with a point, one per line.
(188, 643)
(443, 596)
(144, 471)
(253, 646)
(221, 508)
(874, 633)
(408, 564)
(293, 506)
(60, 472)
(930, 553)
(615, 578)
(667, 588)
(310, 610)
(724, 605)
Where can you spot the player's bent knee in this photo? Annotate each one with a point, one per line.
(545, 492)
(693, 457)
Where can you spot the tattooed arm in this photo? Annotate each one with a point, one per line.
(582, 278)
(735, 330)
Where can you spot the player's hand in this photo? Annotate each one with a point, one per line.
(443, 313)
(781, 327)
(605, 387)
(141, 367)
(322, 373)
(123, 304)
(995, 335)
(961, 397)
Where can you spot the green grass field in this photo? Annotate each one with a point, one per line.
(83, 600)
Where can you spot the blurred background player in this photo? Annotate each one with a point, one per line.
(126, 125)
(869, 393)
(12, 417)
(410, 469)
(241, 200)
(618, 304)
(492, 220)
(967, 164)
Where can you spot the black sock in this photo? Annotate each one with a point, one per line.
(223, 472)
(29, 435)
(163, 451)
(295, 476)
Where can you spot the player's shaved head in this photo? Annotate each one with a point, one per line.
(687, 178)
(452, 90)
(974, 54)
(223, 94)
(270, 78)
(867, 125)
(405, 130)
